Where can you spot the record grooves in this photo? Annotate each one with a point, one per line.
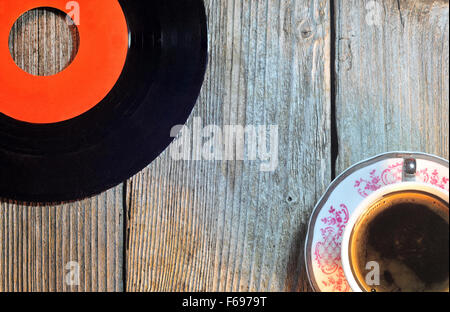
(156, 90)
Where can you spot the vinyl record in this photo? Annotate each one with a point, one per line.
(109, 114)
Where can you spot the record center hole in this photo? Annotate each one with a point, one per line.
(44, 41)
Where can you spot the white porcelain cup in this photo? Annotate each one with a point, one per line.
(362, 210)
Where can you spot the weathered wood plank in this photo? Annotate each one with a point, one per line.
(392, 77)
(225, 225)
(38, 241)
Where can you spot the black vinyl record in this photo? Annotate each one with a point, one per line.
(129, 128)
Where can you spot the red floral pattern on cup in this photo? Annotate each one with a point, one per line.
(327, 251)
(432, 177)
(393, 174)
(337, 282)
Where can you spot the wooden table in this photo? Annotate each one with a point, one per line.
(343, 80)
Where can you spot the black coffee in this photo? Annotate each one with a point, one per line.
(407, 235)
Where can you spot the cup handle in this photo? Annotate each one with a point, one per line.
(409, 170)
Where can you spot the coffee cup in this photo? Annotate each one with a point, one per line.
(397, 239)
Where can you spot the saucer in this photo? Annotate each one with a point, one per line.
(332, 213)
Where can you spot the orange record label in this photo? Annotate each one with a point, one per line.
(84, 83)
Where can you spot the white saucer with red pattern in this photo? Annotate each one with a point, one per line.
(331, 214)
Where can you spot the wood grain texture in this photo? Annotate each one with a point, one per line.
(392, 78)
(38, 241)
(225, 225)
(42, 43)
